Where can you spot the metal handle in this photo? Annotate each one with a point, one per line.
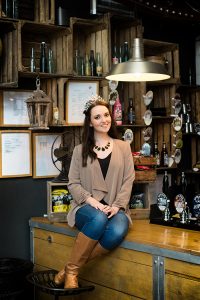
(49, 239)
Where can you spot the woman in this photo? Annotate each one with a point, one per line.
(100, 180)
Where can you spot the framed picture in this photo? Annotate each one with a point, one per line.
(43, 165)
(58, 201)
(78, 92)
(15, 154)
(14, 110)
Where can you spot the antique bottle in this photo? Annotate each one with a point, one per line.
(125, 52)
(165, 184)
(164, 156)
(183, 184)
(131, 113)
(115, 58)
(76, 62)
(117, 112)
(92, 63)
(98, 64)
(156, 154)
(15, 9)
(51, 62)
(87, 65)
(43, 58)
(32, 61)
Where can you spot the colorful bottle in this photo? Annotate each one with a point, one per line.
(117, 112)
(131, 113)
(98, 64)
(156, 154)
(164, 156)
(115, 59)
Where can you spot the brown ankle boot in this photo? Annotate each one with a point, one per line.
(80, 252)
(97, 251)
(60, 277)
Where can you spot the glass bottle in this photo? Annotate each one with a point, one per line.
(117, 112)
(7, 8)
(92, 63)
(156, 154)
(126, 52)
(87, 65)
(120, 54)
(183, 183)
(51, 62)
(131, 113)
(43, 58)
(164, 156)
(76, 62)
(15, 9)
(165, 185)
(98, 64)
(32, 61)
(115, 58)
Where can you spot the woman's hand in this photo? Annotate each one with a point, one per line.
(94, 203)
(110, 211)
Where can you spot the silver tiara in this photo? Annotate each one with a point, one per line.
(92, 100)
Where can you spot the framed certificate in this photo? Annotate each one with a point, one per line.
(42, 157)
(78, 93)
(15, 154)
(14, 110)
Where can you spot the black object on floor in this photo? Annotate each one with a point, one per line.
(13, 283)
(44, 281)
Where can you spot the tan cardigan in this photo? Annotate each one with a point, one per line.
(89, 181)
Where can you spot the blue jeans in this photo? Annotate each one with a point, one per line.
(95, 224)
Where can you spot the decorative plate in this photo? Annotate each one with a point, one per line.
(113, 85)
(162, 201)
(196, 205)
(147, 117)
(177, 123)
(148, 98)
(179, 203)
(147, 134)
(177, 156)
(128, 136)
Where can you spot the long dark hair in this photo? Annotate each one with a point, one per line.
(88, 142)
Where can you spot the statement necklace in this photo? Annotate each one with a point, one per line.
(102, 148)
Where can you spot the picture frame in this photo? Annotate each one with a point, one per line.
(43, 166)
(58, 201)
(13, 108)
(78, 93)
(15, 153)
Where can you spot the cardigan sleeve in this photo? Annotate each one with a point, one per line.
(123, 196)
(79, 194)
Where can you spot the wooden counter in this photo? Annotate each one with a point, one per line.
(153, 262)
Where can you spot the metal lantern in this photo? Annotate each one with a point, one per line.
(38, 108)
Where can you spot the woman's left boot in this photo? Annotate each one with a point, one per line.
(80, 252)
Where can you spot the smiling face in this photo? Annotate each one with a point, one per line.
(100, 119)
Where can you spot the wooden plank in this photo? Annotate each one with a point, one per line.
(5, 62)
(14, 56)
(59, 54)
(42, 10)
(176, 64)
(10, 56)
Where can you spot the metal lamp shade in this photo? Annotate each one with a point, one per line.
(137, 68)
(38, 106)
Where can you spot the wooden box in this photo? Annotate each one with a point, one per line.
(45, 11)
(145, 175)
(31, 35)
(89, 35)
(58, 201)
(9, 58)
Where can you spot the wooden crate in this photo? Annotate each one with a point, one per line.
(45, 11)
(56, 38)
(145, 175)
(89, 35)
(168, 51)
(8, 66)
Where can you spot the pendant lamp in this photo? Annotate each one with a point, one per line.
(137, 68)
